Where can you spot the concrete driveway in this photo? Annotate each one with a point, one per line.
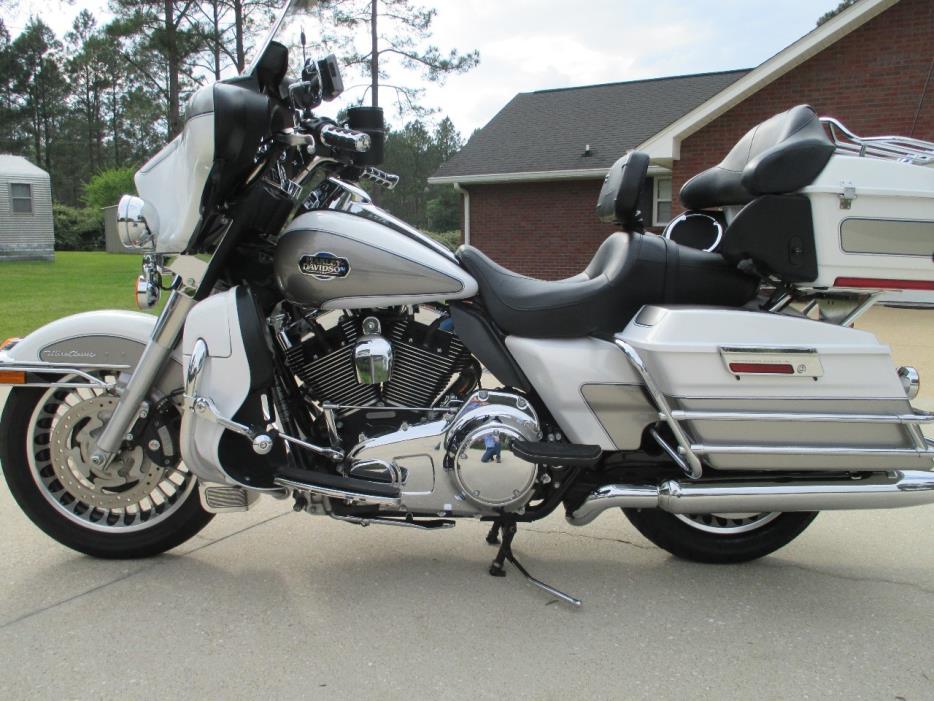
(279, 605)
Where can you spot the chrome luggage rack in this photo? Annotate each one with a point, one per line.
(897, 148)
(687, 454)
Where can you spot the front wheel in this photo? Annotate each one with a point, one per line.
(133, 508)
(719, 538)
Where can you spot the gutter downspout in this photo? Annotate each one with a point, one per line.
(466, 194)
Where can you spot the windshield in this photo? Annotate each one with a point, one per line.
(291, 18)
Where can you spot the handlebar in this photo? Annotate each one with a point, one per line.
(344, 139)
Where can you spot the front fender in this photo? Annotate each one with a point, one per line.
(50, 343)
(105, 337)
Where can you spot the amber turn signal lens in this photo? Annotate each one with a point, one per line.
(9, 343)
(10, 377)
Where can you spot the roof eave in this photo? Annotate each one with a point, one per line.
(530, 176)
(666, 144)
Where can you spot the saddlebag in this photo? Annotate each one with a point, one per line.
(751, 390)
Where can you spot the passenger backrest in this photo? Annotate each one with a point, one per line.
(782, 154)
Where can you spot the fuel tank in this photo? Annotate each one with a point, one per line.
(365, 258)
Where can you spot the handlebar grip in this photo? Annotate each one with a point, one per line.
(344, 139)
(381, 177)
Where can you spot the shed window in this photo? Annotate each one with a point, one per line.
(661, 202)
(21, 198)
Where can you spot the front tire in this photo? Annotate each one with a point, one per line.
(71, 507)
(719, 538)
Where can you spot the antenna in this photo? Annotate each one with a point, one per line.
(304, 57)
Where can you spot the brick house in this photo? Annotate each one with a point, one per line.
(530, 178)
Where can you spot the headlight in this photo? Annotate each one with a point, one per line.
(132, 227)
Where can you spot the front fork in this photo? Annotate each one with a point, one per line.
(162, 342)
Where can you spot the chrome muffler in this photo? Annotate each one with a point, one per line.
(877, 490)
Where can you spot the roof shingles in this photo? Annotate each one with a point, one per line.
(548, 130)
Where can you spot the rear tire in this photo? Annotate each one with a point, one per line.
(700, 542)
(178, 520)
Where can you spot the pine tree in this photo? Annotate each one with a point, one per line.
(399, 34)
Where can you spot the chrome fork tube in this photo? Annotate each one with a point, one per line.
(161, 344)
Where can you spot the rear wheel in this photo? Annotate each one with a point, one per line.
(133, 508)
(719, 538)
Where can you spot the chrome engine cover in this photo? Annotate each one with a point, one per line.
(440, 463)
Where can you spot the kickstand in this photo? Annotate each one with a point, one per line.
(497, 569)
(493, 536)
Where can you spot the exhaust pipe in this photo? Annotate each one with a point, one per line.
(877, 490)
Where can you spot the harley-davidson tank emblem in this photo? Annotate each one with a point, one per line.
(324, 266)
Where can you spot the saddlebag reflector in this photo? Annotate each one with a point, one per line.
(868, 283)
(762, 369)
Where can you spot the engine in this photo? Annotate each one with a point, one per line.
(424, 362)
(380, 368)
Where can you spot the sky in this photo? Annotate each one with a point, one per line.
(528, 45)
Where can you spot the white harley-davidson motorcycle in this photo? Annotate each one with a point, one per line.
(318, 349)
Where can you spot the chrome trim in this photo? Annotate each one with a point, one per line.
(878, 490)
(332, 136)
(355, 193)
(132, 227)
(166, 332)
(330, 406)
(898, 148)
(262, 443)
(689, 215)
(910, 380)
(672, 453)
(695, 470)
(782, 302)
(920, 417)
(337, 493)
(219, 498)
(860, 309)
(40, 368)
(372, 357)
(335, 455)
(392, 522)
(772, 350)
(199, 355)
(206, 409)
(702, 449)
(188, 270)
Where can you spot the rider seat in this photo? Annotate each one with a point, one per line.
(628, 271)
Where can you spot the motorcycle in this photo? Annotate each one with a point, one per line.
(315, 348)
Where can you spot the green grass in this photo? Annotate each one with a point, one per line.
(34, 293)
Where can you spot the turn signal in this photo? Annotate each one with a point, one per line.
(11, 377)
(146, 293)
(9, 343)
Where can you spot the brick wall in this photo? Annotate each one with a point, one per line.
(546, 230)
(871, 80)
